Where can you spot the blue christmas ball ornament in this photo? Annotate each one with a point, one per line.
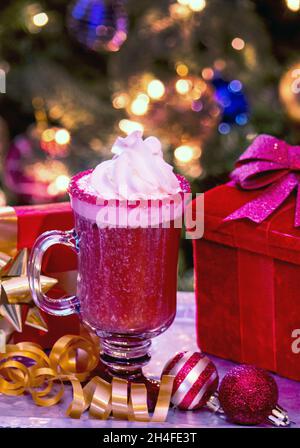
(233, 103)
(99, 25)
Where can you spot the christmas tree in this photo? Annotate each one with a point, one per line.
(205, 76)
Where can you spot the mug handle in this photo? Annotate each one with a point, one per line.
(57, 307)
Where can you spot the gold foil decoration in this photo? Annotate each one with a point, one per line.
(34, 319)
(13, 314)
(14, 281)
(45, 381)
(16, 266)
(6, 327)
(8, 230)
(15, 291)
(4, 258)
(2, 341)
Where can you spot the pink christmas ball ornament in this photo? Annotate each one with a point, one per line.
(248, 395)
(196, 379)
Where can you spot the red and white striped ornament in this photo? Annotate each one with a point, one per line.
(196, 379)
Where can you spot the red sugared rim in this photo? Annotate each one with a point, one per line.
(76, 192)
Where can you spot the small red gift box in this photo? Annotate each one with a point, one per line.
(248, 283)
(20, 228)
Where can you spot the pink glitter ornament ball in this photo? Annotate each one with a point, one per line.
(196, 379)
(248, 394)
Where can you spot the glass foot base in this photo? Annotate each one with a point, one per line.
(125, 355)
(124, 358)
(138, 376)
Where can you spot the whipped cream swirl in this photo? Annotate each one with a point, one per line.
(137, 171)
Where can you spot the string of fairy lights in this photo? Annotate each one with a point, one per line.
(35, 18)
(155, 90)
(293, 5)
(55, 142)
(137, 102)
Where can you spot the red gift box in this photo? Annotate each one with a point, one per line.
(59, 262)
(248, 283)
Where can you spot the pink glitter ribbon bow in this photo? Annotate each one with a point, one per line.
(271, 163)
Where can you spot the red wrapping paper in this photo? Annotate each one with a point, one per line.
(32, 221)
(248, 284)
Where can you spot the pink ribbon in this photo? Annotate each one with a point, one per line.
(271, 163)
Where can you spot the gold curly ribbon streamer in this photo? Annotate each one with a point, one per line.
(72, 359)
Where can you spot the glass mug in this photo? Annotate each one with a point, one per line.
(127, 276)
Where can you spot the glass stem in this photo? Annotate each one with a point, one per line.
(125, 356)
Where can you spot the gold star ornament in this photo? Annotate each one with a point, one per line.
(15, 292)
